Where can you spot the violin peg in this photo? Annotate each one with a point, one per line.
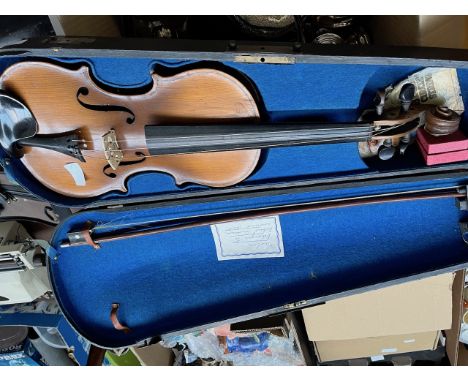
(404, 143)
(386, 151)
(379, 101)
(406, 96)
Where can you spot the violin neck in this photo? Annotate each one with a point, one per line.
(178, 139)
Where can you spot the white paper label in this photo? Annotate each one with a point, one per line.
(376, 358)
(389, 350)
(409, 341)
(77, 173)
(248, 239)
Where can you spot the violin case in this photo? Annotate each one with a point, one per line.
(173, 282)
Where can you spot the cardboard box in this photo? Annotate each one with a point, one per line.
(90, 25)
(456, 351)
(154, 355)
(280, 326)
(426, 30)
(405, 317)
(376, 347)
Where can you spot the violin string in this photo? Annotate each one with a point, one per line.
(181, 138)
(358, 138)
(230, 134)
(100, 225)
(100, 156)
(384, 129)
(143, 224)
(305, 142)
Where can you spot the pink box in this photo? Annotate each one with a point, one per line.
(448, 143)
(445, 157)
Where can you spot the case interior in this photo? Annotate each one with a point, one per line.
(299, 92)
(170, 282)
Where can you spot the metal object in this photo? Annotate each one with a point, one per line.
(112, 151)
(358, 38)
(81, 238)
(264, 59)
(340, 30)
(335, 22)
(328, 38)
(23, 275)
(280, 21)
(462, 204)
(265, 26)
(464, 231)
(295, 305)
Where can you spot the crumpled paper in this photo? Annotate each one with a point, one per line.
(434, 86)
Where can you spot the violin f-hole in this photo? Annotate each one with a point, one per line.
(84, 91)
(113, 175)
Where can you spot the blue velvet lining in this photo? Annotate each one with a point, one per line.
(174, 281)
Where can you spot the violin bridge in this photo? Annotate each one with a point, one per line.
(112, 151)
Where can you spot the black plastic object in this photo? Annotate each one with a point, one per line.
(67, 143)
(12, 337)
(18, 127)
(164, 140)
(16, 123)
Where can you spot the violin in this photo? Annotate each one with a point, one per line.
(201, 126)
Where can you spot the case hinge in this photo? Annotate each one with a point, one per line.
(295, 305)
(462, 203)
(82, 237)
(464, 231)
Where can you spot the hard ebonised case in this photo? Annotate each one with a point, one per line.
(173, 282)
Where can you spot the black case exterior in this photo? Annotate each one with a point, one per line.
(343, 276)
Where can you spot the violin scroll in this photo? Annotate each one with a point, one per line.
(395, 129)
(440, 120)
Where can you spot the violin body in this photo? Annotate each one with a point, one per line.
(63, 100)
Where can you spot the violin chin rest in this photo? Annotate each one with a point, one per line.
(16, 123)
